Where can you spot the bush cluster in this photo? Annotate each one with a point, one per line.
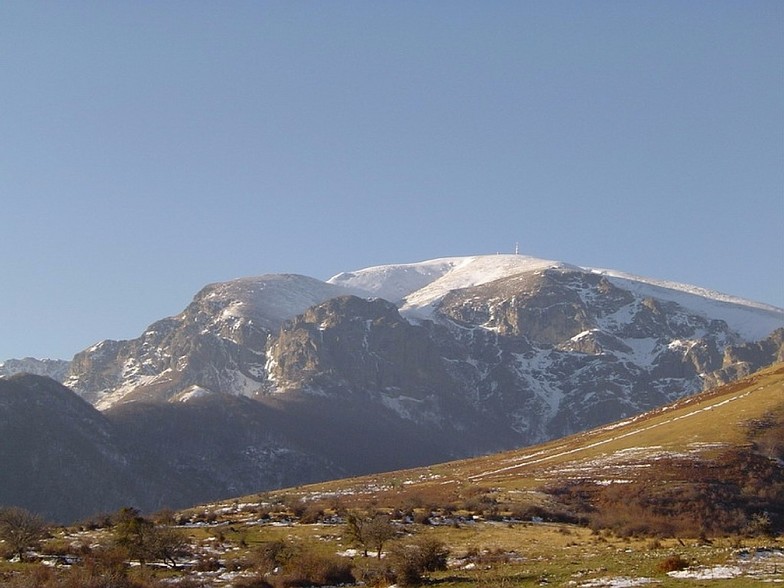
(740, 492)
(674, 563)
(286, 564)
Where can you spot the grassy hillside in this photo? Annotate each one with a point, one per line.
(745, 415)
(685, 494)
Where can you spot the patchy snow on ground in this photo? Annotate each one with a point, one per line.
(761, 563)
(708, 573)
(619, 582)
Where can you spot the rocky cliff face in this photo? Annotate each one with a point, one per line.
(544, 348)
(357, 345)
(738, 361)
(560, 350)
(218, 342)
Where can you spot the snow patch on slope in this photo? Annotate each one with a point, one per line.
(271, 299)
(56, 369)
(395, 282)
(191, 393)
(418, 287)
(751, 320)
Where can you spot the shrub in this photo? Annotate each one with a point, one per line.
(251, 583)
(673, 563)
(433, 554)
(300, 565)
(411, 559)
(165, 516)
(57, 547)
(374, 572)
(676, 497)
(422, 517)
(207, 564)
(311, 514)
(760, 525)
(37, 577)
(324, 570)
(310, 568)
(270, 555)
(101, 568)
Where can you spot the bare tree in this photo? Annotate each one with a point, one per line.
(21, 529)
(369, 532)
(167, 544)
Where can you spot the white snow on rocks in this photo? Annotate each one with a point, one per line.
(273, 298)
(419, 286)
(191, 393)
(751, 320)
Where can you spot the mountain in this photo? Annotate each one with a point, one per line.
(285, 379)
(60, 456)
(218, 343)
(57, 369)
(537, 347)
(66, 460)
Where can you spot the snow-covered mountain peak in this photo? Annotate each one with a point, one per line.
(419, 284)
(475, 271)
(418, 287)
(268, 299)
(395, 281)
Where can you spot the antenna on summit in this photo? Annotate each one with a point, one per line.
(517, 248)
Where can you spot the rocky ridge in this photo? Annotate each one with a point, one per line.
(57, 369)
(541, 348)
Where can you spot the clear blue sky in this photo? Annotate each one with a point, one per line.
(149, 148)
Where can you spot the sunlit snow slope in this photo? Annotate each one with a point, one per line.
(418, 287)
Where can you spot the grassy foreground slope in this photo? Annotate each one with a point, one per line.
(743, 416)
(677, 496)
(688, 495)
